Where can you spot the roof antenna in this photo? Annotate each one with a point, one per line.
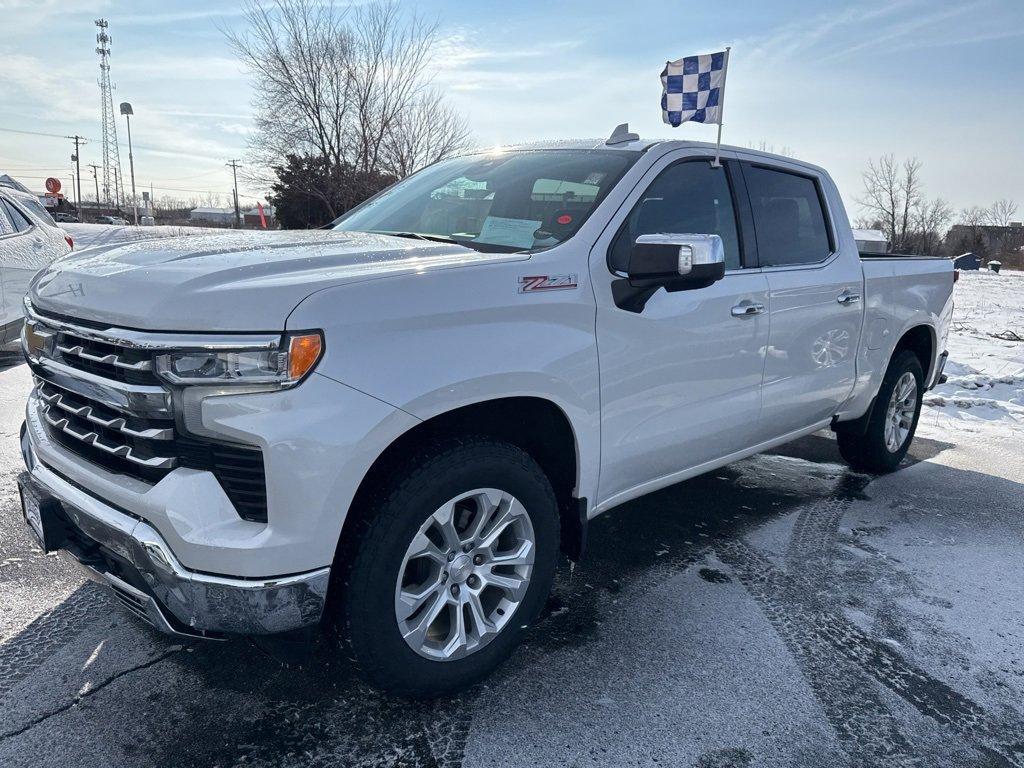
(621, 135)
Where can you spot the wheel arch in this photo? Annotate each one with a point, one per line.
(921, 340)
(535, 424)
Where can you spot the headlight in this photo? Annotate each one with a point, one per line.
(279, 367)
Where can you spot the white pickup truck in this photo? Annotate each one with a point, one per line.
(395, 427)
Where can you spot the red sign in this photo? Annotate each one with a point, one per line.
(53, 185)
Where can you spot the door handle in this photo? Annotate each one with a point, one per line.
(846, 297)
(747, 308)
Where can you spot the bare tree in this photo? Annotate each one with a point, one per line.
(892, 191)
(975, 216)
(930, 218)
(345, 91)
(1001, 213)
(406, 148)
(764, 146)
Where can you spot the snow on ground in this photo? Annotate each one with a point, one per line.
(985, 389)
(88, 235)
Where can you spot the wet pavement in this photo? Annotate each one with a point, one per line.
(780, 611)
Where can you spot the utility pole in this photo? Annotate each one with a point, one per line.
(96, 179)
(78, 167)
(234, 173)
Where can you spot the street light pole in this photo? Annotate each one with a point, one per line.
(126, 110)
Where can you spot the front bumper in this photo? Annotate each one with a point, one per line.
(128, 554)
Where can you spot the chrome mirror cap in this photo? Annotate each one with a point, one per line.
(694, 249)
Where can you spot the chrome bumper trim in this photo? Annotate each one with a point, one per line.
(199, 602)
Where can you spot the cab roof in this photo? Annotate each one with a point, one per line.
(636, 144)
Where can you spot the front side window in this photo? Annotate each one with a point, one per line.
(513, 201)
(788, 217)
(691, 197)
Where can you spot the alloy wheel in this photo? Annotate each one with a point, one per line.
(464, 574)
(899, 416)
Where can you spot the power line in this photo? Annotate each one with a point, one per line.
(37, 133)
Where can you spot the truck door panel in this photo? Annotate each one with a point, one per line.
(816, 299)
(681, 380)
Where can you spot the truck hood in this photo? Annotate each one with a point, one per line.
(237, 281)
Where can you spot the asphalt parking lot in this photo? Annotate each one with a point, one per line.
(781, 611)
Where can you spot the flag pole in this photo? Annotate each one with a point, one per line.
(721, 107)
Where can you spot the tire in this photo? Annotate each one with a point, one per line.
(367, 614)
(868, 450)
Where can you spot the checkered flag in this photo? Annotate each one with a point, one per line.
(693, 88)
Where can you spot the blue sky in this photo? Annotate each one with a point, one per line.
(834, 83)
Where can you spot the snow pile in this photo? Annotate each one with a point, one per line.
(985, 387)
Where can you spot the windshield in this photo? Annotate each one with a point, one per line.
(514, 201)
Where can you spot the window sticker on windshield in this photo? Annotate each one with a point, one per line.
(515, 232)
(594, 179)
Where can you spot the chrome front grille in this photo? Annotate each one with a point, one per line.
(130, 366)
(114, 359)
(101, 429)
(100, 398)
(94, 413)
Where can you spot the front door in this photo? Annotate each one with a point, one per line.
(681, 378)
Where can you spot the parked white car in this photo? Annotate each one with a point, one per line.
(29, 240)
(394, 427)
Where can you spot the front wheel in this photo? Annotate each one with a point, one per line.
(458, 556)
(890, 429)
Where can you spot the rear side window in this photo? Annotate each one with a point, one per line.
(16, 217)
(788, 217)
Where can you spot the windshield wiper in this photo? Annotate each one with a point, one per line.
(415, 236)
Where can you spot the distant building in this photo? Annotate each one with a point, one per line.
(871, 241)
(992, 238)
(213, 215)
(251, 218)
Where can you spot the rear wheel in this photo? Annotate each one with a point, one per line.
(890, 429)
(457, 558)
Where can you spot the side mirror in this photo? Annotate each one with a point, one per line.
(676, 262)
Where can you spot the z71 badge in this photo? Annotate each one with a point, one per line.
(533, 283)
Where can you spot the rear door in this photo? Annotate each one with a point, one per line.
(815, 298)
(681, 378)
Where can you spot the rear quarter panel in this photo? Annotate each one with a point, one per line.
(901, 293)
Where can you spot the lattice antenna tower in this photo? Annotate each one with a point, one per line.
(113, 191)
